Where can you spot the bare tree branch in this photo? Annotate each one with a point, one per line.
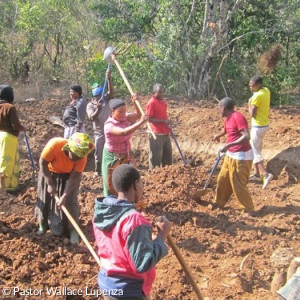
(144, 44)
(191, 13)
(205, 16)
(235, 7)
(237, 38)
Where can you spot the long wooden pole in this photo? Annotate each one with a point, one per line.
(83, 237)
(184, 267)
(114, 58)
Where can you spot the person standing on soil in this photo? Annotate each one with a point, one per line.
(160, 149)
(10, 127)
(259, 108)
(126, 248)
(98, 112)
(61, 163)
(118, 130)
(75, 111)
(234, 175)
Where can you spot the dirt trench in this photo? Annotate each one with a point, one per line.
(228, 252)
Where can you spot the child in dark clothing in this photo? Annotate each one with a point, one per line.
(124, 239)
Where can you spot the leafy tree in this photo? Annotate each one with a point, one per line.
(59, 29)
(195, 48)
(182, 37)
(48, 37)
(261, 26)
(14, 47)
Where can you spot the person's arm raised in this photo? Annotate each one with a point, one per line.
(110, 89)
(137, 114)
(130, 129)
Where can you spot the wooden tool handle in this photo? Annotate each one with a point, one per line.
(184, 267)
(132, 92)
(75, 225)
(123, 75)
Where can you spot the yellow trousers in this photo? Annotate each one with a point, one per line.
(233, 179)
(9, 160)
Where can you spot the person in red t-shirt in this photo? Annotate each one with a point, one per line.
(160, 148)
(234, 175)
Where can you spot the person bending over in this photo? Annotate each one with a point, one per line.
(61, 164)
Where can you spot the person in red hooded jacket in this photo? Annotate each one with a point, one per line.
(126, 248)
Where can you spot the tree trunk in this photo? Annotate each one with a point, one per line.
(214, 33)
(203, 78)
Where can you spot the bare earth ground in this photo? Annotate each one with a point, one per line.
(213, 242)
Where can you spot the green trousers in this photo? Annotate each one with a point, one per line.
(110, 161)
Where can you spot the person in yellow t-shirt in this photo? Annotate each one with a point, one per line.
(259, 107)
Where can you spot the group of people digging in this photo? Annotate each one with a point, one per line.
(63, 160)
(127, 250)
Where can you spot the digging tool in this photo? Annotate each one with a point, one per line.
(56, 121)
(110, 56)
(178, 147)
(104, 85)
(30, 155)
(79, 231)
(3, 185)
(202, 192)
(184, 267)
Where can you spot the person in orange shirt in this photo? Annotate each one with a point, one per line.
(61, 163)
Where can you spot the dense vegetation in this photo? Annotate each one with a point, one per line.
(197, 49)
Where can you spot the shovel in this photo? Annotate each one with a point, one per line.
(178, 147)
(56, 121)
(104, 86)
(30, 156)
(202, 192)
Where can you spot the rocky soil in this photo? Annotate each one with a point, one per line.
(227, 251)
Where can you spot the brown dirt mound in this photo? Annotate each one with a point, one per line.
(213, 242)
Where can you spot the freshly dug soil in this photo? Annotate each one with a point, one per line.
(227, 251)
